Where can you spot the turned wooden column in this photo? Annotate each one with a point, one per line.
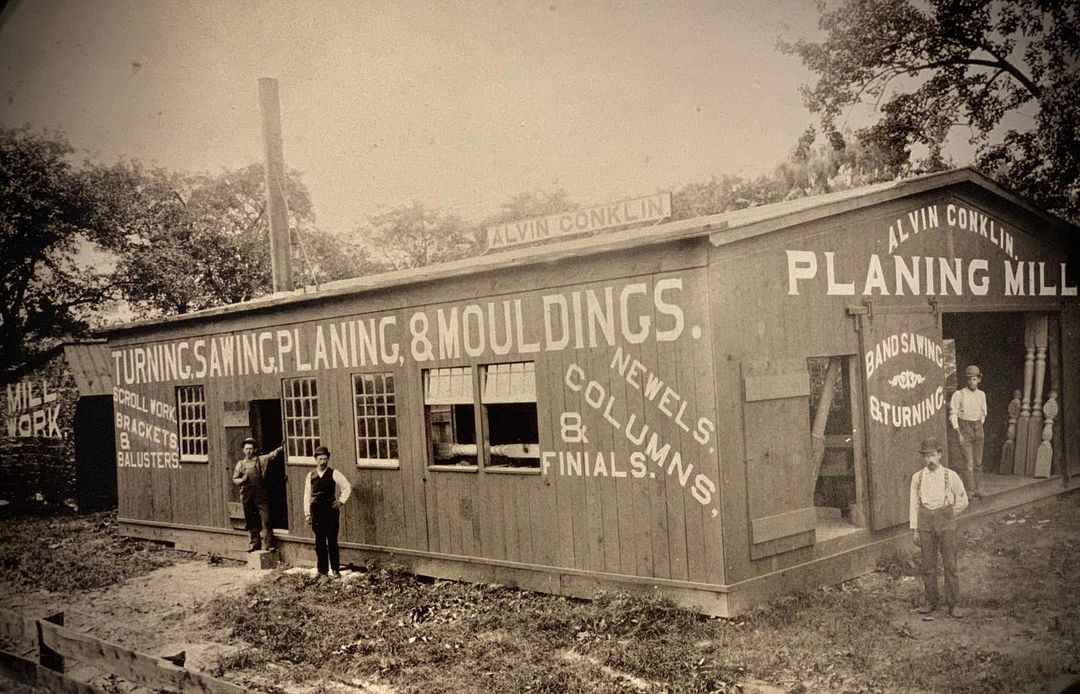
(1022, 430)
(1039, 330)
(1045, 454)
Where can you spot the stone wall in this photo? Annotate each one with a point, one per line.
(38, 469)
(35, 470)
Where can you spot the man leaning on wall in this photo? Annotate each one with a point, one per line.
(250, 476)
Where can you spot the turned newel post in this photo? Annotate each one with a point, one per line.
(1039, 331)
(1046, 448)
(1019, 459)
(1008, 449)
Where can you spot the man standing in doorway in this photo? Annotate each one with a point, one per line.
(325, 491)
(937, 495)
(967, 412)
(250, 476)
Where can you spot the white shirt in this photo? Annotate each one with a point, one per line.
(935, 489)
(967, 404)
(342, 488)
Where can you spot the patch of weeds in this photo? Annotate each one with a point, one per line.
(242, 659)
(620, 615)
(899, 564)
(72, 553)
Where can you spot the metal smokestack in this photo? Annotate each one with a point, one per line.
(280, 253)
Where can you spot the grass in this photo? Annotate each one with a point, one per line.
(65, 553)
(416, 635)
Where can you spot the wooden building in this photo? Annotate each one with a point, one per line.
(56, 444)
(719, 409)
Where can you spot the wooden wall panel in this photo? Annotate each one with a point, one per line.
(756, 315)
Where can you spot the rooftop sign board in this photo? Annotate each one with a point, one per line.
(652, 208)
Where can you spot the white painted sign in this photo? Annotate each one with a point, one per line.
(33, 409)
(648, 209)
(633, 312)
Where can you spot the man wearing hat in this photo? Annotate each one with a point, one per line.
(937, 495)
(967, 412)
(250, 476)
(325, 491)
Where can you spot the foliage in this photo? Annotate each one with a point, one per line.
(196, 241)
(817, 165)
(931, 67)
(414, 236)
(71, 553)
(534, 203)
(50, 211)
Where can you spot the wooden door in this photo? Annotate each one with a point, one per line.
(903, 375)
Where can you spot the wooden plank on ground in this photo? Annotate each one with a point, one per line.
(18, 669)
(137, 668)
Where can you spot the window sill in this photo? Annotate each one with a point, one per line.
(377, 464)
(195, 459)
(508, 470)
(300, 460)
(454, 468)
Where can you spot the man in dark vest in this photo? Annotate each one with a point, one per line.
(325, 491)
(250, 476)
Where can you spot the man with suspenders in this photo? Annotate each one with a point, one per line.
(937, 495)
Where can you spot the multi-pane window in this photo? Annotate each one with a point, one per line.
(300, 396)
(509, 400)
(191, 422)
(375, 409)
(451, 422)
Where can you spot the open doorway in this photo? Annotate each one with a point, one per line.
(834, 446)
(266, 429)
(1000, 343)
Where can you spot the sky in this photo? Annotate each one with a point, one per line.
(458, 105)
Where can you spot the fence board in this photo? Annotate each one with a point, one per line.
(135, 667)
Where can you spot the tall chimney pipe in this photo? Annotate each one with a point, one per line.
(280, 253)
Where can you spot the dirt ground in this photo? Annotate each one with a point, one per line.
(1018, 571)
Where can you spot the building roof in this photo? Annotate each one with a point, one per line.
(723, 228)
(91, 366)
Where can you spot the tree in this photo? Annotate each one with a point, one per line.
(534, 203)
(196, 241)
(931, 67)
(721, 194)
(50, 211)
(414, 236)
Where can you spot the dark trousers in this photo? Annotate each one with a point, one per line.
(325, 521)
(937, 536)
(971, 443)
(257, 522)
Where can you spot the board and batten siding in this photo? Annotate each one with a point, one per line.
(769, 318)
(647, 508)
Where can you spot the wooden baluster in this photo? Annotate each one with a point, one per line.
(1019, 460)
(1039, 329)
(1046, 448)
(1008, 449)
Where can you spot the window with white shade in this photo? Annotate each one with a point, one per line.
(191, 423)
(449, 411)
(508, 398)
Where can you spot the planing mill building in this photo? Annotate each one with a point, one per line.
(717, 409)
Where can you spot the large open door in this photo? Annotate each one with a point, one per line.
(267, 431)
(903, 373)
